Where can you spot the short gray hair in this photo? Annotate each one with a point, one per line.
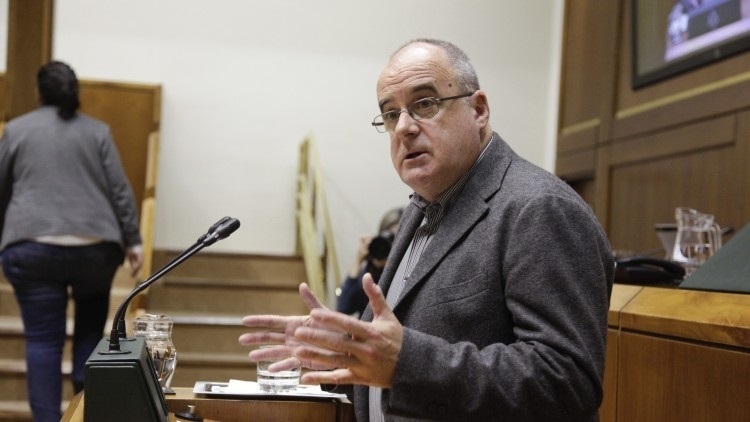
(466, 75)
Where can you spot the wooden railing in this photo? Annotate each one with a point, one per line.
(314, 231)
(148, 210)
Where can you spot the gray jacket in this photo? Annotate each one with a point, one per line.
(505, 314)
(63, 177)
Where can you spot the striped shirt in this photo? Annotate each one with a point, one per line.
(434, 213)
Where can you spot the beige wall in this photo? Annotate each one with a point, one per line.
(244, 81)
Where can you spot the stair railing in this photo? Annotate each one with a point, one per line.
(314, 230)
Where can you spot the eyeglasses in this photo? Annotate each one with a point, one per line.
(424, 108)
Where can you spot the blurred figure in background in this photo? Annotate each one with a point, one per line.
(371, 257)
(67, 220)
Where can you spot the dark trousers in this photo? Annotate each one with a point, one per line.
(42, 275)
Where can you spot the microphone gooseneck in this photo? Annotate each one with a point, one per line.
(219, 230)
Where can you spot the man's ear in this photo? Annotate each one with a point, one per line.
(481, 107)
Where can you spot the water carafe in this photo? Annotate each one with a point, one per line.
(698, 238)
(157, 330)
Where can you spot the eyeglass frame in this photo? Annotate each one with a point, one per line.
(412, 114)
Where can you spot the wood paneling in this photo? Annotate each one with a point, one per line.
(608, 408)
(230, 409)
(576, 165)
(684, 141)
(29, 47)
(621, 296)
(695, 165)
(668, 380)
(718, 318)
(588, 65)
(587, 75)
(133, 113)
(676, 355)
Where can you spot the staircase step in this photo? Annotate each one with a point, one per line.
(208, 334)
(225, 297)
(19, 411)
(13, 380)
(15, 411)
(8, 303)
(9, 306)
(258, 269)
(207, 296)
(194, 367)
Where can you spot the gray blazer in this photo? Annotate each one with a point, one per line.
(505, 314)
(63, 177)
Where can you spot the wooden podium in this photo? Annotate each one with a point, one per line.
(677, 355)
(225, 409)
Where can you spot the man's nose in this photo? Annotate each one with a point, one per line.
(405, 122)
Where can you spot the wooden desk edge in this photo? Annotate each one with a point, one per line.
(715, 317)
(74, 411)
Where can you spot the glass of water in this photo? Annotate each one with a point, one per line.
(277, 382)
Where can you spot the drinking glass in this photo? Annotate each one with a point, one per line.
(157, 330)
(277, 382)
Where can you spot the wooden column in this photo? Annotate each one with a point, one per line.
(29, 47)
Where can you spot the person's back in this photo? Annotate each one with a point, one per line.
(67, 217)
(60, 180)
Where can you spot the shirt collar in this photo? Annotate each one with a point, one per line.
(444, 200)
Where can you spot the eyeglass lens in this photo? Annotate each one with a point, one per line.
(424, 108)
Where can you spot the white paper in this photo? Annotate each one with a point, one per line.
(251, 388)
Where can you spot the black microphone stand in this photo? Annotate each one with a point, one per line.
(120, 382)
(220, 230)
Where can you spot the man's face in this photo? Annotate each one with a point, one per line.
(431, 154)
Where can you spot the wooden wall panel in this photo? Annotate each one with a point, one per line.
(646, 192)
(667, 380)
(743, 155)
(608, 408)
(684, 141)
(29, 47)
(695, 165)
(133, 112)
(576, 165)
(588, 65)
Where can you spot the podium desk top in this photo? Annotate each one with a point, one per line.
(231, 409)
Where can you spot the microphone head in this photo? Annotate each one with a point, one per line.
(213, 228)
(218, 223)
(224, 228)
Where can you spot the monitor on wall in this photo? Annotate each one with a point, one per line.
(670, 37)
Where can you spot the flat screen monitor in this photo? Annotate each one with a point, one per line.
(673, 36)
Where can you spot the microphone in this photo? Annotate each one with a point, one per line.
(219, 230)
(120, 381)
(213, 228)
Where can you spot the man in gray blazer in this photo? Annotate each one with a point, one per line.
(493, 304)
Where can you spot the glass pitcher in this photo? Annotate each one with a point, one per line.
(698, 238)
(157, 330)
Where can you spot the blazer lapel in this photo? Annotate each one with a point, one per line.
(464, 215)
(467, 209)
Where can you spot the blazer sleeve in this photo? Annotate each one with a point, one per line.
(120, 192)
